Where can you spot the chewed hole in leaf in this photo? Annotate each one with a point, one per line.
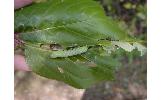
(55, 47)
(130, 46)
(45, 46)
(140, 48)
(124, 45)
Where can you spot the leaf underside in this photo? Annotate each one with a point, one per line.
(71, 24)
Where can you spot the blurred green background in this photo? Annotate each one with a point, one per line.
(131, 72)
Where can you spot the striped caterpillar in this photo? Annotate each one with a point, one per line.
(67, 53)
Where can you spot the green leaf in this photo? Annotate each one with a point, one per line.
(66, 22)
(69, 24)
(76, 73)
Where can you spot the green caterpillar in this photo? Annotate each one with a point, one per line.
(67, 53)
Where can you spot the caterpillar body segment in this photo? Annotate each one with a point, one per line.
(67, 53)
